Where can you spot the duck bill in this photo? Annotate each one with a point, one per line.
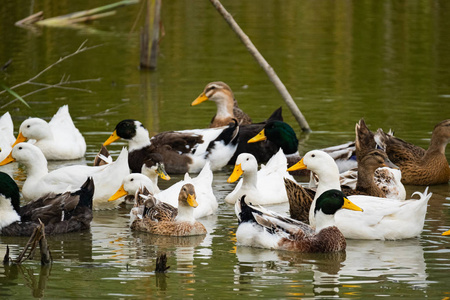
(446, 233)
(298, 166)
(161, 171)
(20, 139)
(114, 137)
(192, 201)
(237, 172)
(120, 193)
(7, 160)
(390, 164)
(258, 138)
(200, 99)
(350, 205)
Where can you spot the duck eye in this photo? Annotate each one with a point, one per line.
(313, 155)
(132, 179)
(28, 126)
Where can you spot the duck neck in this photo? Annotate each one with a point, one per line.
(225, 107)
(366, 178)
(37, 168)
(140, 140)
(323, 221)
(438, 144)
(185, 214)
(249, 179)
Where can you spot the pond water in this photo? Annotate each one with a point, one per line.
(384, 61)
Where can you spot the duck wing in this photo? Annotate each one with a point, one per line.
(300, 200)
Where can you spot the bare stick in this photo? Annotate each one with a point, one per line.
(264, 64)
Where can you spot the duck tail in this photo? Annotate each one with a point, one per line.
(87, 193)
(425, 196)
(244, 212)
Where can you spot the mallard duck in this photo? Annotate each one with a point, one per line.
(419, 166)
(265, 186)
(227, 107)
(283, 136)
(6, 135)
(40, 182)
(259, 227)
(182, 151)
(207, 202)
(58, 139)
(382, 218)
(300, 198)
(61, 213)
(183, 224)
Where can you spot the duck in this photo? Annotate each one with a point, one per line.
(182, 223)
(300, 198)
(259, 227)
(227, 106)
(283, 136)
(6, 135)
(262, 187)
(207, 201)
(154, 168)
(58, 139)
(419, 166)
(382, 218)
(40, 181)
(147, 204)
(182, 151)
(60, 213)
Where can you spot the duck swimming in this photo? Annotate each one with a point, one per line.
(183, 224)
(227, 107)
(182, 151)
(40, 181)
(263, 187)
(259, 227)
(61, 213)
(419, 166)
(58, 139)
(207, 202)
(382, 218)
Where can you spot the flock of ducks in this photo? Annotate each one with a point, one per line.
(355, 191)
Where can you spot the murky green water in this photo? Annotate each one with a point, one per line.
(386, 61)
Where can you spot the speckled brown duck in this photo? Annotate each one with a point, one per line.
(182, 223)
(419, 166)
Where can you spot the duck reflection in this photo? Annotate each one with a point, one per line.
(395, 261)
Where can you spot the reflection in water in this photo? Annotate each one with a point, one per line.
(362, 262)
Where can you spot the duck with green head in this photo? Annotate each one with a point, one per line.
(259, 227)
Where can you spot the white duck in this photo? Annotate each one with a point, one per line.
(40, 182)
(6, 135)
(58, 139)
(207, 202)
(262, 187)
(381, 219)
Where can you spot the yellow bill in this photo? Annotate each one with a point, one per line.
(237, 172)
(200, 99)
(298, 166)
(161, 171)
(7, 160)
(446, 233)
(191, 200)
(114, 137)
(350, 205)
(120, 193)
(258, 138)
(20, 139)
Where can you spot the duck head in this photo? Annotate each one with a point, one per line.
(279, 133)
(245, 163)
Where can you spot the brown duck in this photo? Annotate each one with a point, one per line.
(158, 220)
(227, 107)
(419, 166)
